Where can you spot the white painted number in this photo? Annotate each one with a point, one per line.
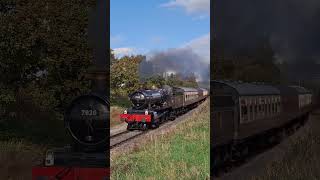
(88, 112)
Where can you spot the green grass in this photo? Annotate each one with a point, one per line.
(24, 142)
(123, 102)
(301, 161)
(180, 154)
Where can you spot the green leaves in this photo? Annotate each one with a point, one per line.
(44, 52)
(124, 77)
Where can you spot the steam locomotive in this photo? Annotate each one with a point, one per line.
(245, 114)
(87, 121)
(151, 107)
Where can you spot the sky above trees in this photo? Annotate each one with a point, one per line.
(143, 27)
(163, 27)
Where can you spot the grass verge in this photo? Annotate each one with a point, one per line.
(17, 159)
(301, 161)
(118, 105)
(180, 154)
(115, 112)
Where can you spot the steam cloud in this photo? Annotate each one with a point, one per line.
(180, 60)
(291, 26)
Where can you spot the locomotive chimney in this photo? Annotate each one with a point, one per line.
(98, 77)
(98, 31)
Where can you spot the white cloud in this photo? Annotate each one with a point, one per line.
(191, 6)
(123, 51)
(201, 46)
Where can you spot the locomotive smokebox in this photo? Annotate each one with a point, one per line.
(87, 117)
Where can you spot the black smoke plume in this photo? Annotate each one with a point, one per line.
(291, 27)
(181, 61)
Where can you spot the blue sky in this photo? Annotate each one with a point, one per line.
(144, 26)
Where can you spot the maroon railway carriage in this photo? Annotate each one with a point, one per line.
(242, 111)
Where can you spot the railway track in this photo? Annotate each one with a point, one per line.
(122, 137)
(125, 135)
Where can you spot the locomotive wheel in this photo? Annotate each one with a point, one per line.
(129, 127)
(172, 118)
(155, 125)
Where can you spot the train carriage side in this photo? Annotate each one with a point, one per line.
(177, 99)
(203, 93)
(223, 113)
(191, 96)
(252, 109)
(289, 104)
(259, 109)
(304, 101)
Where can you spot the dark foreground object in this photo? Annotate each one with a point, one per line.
(86, 120)
(70, 173)
(66, 164)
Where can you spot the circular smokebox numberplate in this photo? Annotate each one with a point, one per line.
(86, 120)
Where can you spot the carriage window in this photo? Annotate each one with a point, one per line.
(260, 110)
(266, 109)
(244, 113)
(273, 108)
(256, 110)
(269, 109)
(250, 113)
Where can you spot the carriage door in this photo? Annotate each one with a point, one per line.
(223, 119)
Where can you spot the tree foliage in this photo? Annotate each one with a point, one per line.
(44, 52)
(125, 78)
(254, 65)
(124, 75)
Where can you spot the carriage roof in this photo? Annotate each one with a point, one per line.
(244, 89)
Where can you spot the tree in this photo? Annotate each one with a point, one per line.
(124, 75)
(44, 52)
(157, 81)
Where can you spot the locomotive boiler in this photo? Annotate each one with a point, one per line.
(150, 98)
